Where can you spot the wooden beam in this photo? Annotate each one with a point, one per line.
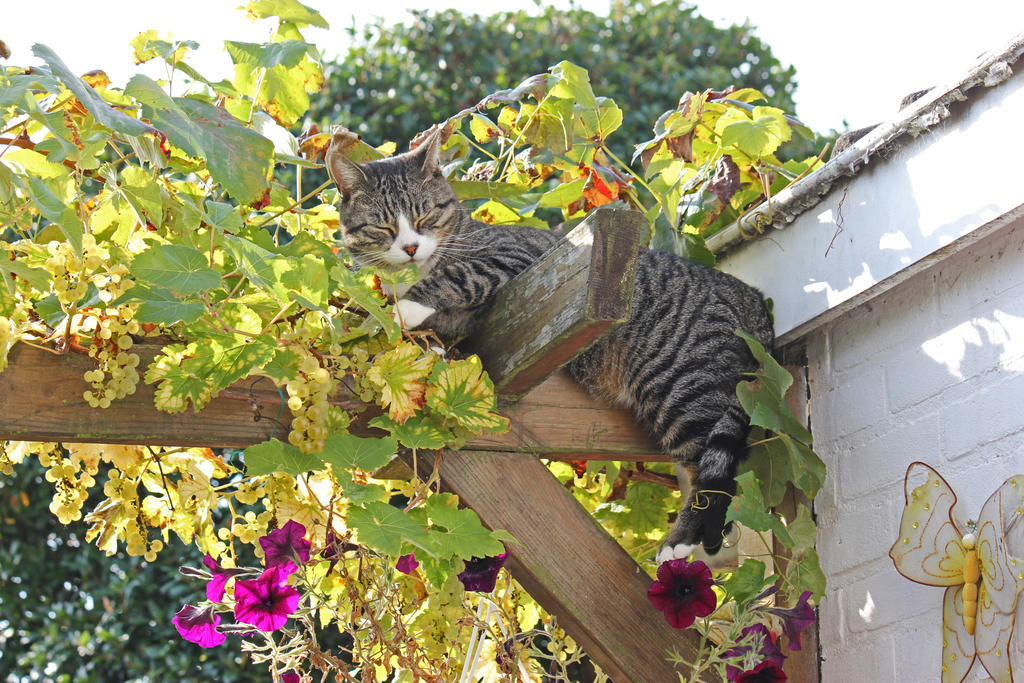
(569, 564)
(578, 291)
(41, 400)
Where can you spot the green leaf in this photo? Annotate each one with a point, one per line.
(180, 269)
(141, 190)
(463, 392)
(346, 451)
(287, 10)
(401, 374)
(264, 269)
(771, 464)
(237, 157)
(805, 574)
(463, 536)
(803, 530)
(563, 195)
(572, 82)
(159, 305)
(165, 114)
(747, 581)
(482, 128)
(90, 99)
(358, 290)
(416, 432)
(808, 468)
(385, 528)
(749, 509)
(358, 493)
(759, 137)
(276, 456)
(286, 53)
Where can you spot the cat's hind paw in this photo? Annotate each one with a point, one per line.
(679, 551)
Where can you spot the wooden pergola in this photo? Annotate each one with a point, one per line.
(577, 292)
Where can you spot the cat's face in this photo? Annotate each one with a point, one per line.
(398, 211)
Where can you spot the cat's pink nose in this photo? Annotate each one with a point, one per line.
(411, 249)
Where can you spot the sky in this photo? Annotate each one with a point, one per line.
(853, 67)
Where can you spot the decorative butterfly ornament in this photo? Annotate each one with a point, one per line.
(982, 580)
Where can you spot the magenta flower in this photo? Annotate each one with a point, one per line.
(765, 672)
(761, 648)
(481, 573)
(199, 626)
(683, 592)
(291, 677)
(407, 564)
(221, 575)
(282, 547)
(265, 602)
(795, 619)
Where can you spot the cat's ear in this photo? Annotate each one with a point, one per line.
(346, 174)
(429, 152)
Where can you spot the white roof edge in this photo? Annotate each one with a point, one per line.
(989, 70)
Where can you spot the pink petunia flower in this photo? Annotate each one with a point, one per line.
(199, 626)
(795, 619)
(481, 573)
(266, 602)
(683, 592)
(221, 576)
(407, 563)
(282, 547)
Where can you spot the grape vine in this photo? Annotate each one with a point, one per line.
(131, 216)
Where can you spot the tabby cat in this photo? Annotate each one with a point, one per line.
(675, 363)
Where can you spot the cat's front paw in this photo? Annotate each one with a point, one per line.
(411, 314)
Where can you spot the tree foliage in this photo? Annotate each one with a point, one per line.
(396, 80)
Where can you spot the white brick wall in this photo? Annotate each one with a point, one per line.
(933, 370)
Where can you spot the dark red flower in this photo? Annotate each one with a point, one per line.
(765, 672)
(221, 575)
(282, 547)
(407, 564)
(481, 573)
(795, 619)
(199, 626)
(760, 647)
(683, 592)
(290, 677)
(335, 549)
(265, 602)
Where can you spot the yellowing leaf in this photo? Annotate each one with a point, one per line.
(401, 375)
(463, 392)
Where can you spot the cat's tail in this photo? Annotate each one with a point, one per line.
(701, 521)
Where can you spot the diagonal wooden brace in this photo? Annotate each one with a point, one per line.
(568, 563)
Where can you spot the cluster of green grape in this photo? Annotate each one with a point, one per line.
(122, 489)
(71, 273)
(71, 483)
(115, 375)
(307, 400)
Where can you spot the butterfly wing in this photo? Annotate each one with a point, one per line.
(992, 637)
(929, 549)
(1002, 574)
(957, 644)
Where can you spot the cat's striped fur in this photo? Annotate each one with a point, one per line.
(675, 363)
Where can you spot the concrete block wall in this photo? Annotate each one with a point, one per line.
(933, 370)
